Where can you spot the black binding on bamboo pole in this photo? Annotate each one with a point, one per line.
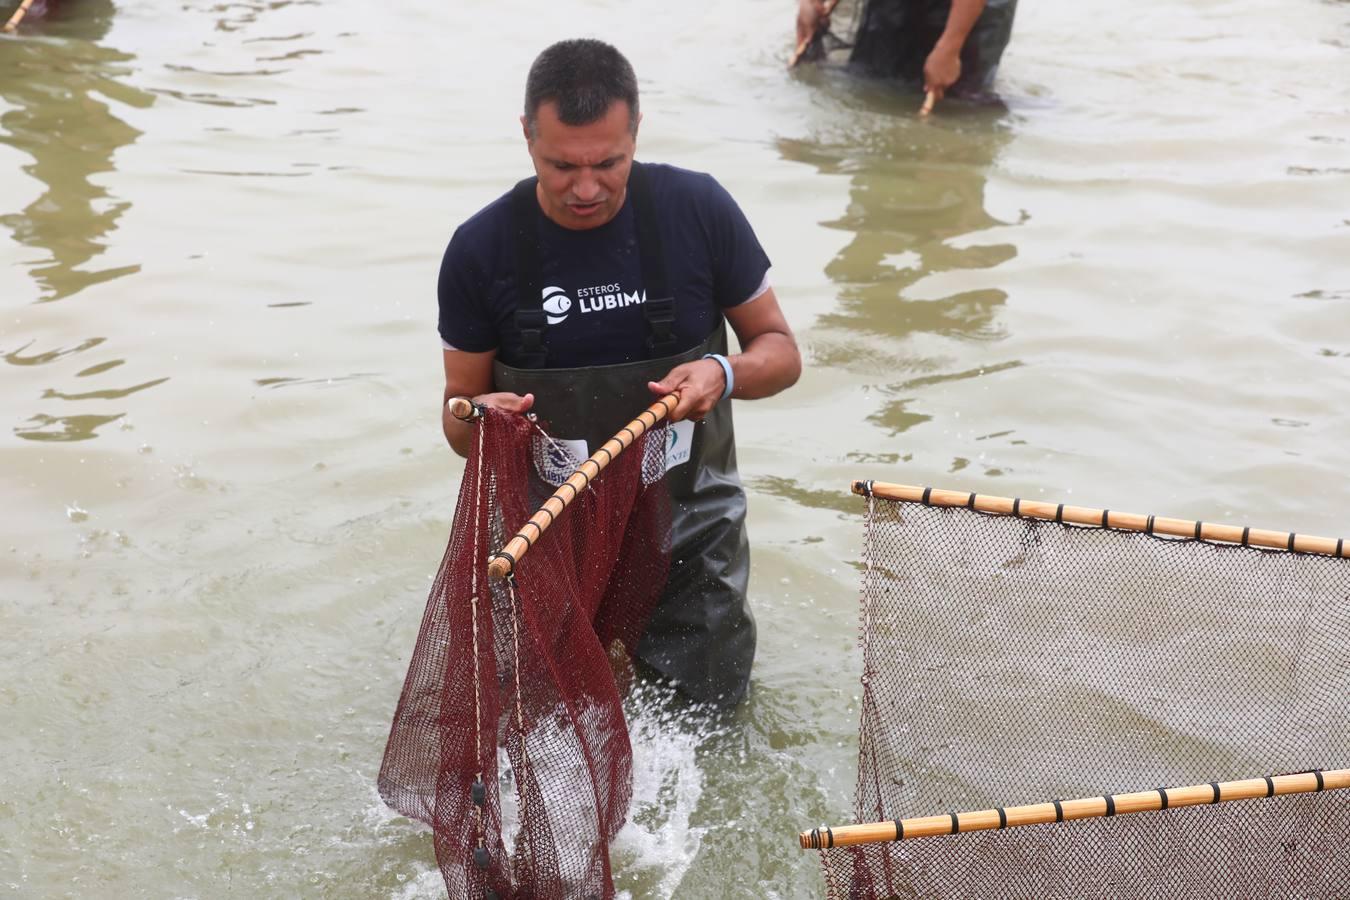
(1159, 527)
(504, 561)
(1312, 781)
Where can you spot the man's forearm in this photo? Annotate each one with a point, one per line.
(960, 21)
(769, 364)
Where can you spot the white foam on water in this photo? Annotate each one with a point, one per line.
(425, 885)
(424, 882)
(656, 845)
(667, 787)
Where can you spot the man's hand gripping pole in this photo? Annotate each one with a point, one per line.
(505, 560)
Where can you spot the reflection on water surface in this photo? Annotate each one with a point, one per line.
(1128, 289)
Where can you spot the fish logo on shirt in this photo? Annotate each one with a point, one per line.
(556, 304)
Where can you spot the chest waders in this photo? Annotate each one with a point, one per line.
(702, 634)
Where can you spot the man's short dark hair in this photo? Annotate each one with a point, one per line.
(584, 77)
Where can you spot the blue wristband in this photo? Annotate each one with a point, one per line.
(726, 370)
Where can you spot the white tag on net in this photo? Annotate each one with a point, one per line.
(556, 459)
(679, 443)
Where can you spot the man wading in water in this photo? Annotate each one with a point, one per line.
(602, 283)
(939, 45)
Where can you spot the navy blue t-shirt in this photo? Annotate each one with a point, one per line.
(592, 280)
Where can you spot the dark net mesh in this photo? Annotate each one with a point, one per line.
(509, 739)
(1012, 661)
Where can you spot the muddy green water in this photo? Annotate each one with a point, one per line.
(223, 490)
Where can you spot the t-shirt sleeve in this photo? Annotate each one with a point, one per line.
(739, 262)
(462, 293)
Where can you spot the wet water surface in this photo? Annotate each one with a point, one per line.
(224, 488)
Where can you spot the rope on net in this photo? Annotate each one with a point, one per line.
(509, 738)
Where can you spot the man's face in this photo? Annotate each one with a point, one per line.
(583, 169)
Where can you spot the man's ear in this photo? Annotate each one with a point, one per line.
(525, 127)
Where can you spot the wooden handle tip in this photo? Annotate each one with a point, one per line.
(500, 567)
(462, 408)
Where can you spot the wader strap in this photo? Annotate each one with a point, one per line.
(659, 309)
(529, 318)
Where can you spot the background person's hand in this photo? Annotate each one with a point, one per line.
(811, 17)
(941, 70)
(700, 385)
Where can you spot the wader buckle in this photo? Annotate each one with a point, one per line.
(660, 315)
(530, 325)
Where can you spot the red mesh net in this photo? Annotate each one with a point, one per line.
(509, 739)
(1011, 661)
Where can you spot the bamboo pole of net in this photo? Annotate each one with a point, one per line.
(1107, 518)
(801, 47)
(19, 13)
(824, 837)
(505, 560)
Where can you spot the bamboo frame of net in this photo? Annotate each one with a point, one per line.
(824, 837)
(1107, 518)
(505, 560)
